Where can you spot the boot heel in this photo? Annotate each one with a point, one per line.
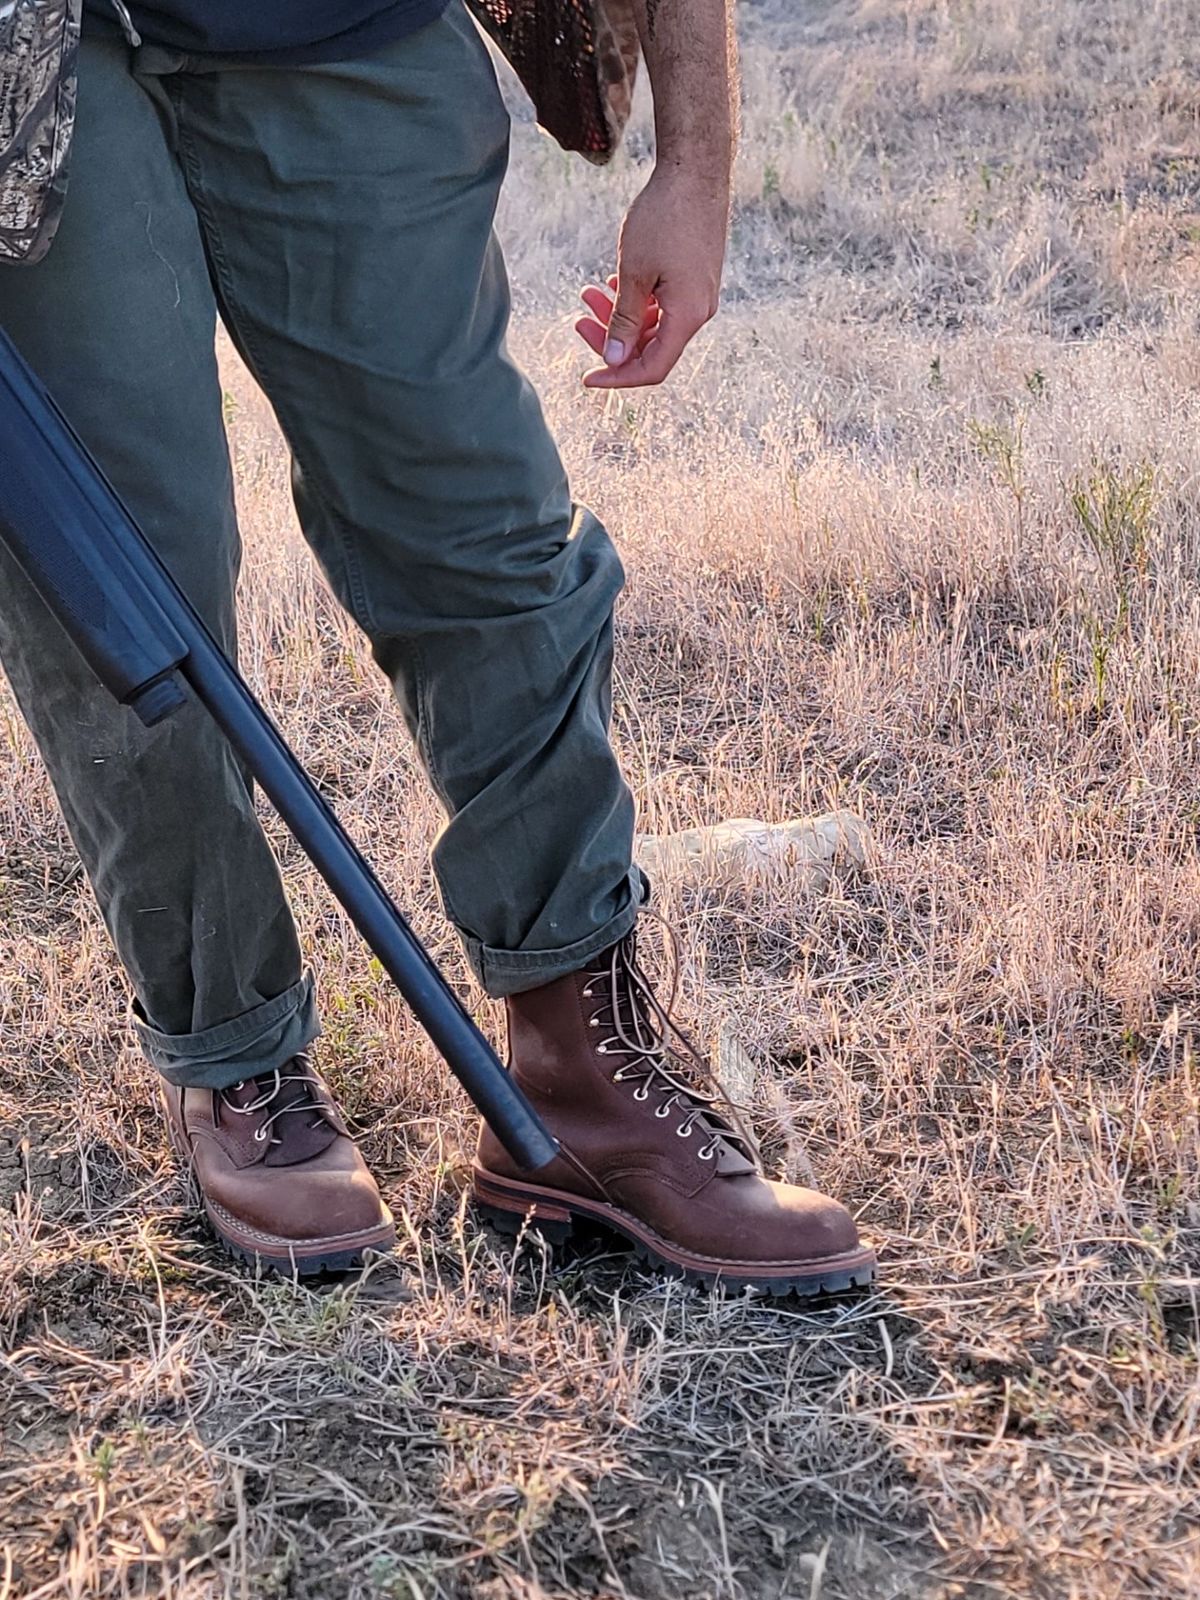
(554, 1228)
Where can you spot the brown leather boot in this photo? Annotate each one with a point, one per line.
(647, 1154)
(281, 1180)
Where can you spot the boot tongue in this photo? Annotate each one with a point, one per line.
(630, 1013)
(731, 1161)
(298, 1134)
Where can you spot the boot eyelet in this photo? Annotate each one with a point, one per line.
(641, 1094)
(259, 1135)
(586, 993)
(706, 1154)
(593, 1022)
(663, 1111)
(601, 1049)
(684, 1131)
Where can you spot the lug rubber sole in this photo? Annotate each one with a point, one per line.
(347, 1261)
(341, 1253)
(512, 1207)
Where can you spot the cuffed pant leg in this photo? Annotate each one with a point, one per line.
(257, 1041)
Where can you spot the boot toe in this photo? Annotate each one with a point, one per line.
(333, 1205)
(814, 1225)
(310, 1207)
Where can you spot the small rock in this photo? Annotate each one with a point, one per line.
(802, 852)
(735, 1069)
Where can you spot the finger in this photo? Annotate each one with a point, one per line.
(649, 332)
(655, 362)
(592, 333)
(627, 320)
(610, 285)
(649, 327)
(599, 302)
(601, 307)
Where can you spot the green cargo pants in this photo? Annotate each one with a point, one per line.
(338, 218)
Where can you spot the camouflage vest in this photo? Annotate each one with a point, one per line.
(576, 58)
(39, 41)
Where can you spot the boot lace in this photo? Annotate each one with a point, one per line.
(655, 1052)
(313, 1097)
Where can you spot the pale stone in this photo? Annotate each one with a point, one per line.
(735, 1069)
(803, 852)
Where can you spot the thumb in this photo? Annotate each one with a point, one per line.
(628, 317)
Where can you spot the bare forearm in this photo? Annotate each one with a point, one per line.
(672, 246)
(690, 57)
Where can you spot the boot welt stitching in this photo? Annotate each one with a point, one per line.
(219, 1211)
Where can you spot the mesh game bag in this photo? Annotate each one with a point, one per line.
(578, 62)
(39, 40)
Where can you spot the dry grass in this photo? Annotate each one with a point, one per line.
(916, 532)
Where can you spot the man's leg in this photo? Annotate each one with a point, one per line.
(119, 320)
(348, 211)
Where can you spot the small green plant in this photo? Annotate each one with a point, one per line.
(991, 177)
(1115, 508)
(1002, 447)
(385, 1576)
(1019, 1238)
(1171, 1192)
(1030, 1399)
(104, 1459)
(1100, 642)
(305, 1319)
(1150, 1288)
(821, 610)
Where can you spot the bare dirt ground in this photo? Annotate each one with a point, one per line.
(915, 532)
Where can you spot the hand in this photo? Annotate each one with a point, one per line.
(667, 283)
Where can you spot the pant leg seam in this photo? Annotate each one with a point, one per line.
(505, 972)
(236, 1031)
(425, 746)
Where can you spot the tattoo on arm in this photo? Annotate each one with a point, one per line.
(652, 16)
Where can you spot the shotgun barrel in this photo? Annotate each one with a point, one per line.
(101, 580)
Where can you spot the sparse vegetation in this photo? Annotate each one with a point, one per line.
(915, 532)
